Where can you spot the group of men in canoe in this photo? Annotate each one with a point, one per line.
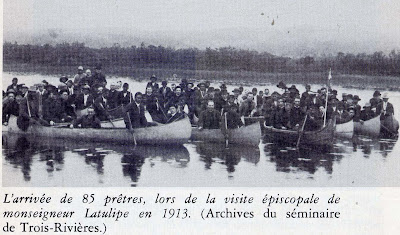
(207, 106)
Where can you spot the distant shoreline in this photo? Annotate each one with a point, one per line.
(390, 83)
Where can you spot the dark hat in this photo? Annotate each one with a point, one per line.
(275, 93)
(223, 86)
(125, 85)
(63, 79)
(236, 90)
(292, 87)
(86, 87)
(356, 97)
(349, 96)
(23, 86)
(377, 93)
(281, 85)
(164, 82)
(334, 92)
(201, 84)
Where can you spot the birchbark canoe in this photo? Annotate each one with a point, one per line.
(376, 127)
(371, 127)
(246, 135)
(174, 133)
(322, 137)
(345, 130)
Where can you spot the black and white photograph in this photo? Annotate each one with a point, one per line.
(260, 93)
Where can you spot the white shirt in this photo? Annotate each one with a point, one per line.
(85, 97)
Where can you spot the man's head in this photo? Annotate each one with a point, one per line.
(88, 72)
(296, 102)
(11, 94)
(308, 87)
(266, 91)
(202, 86)
(190, 85)
(207, 84)
(172, 109)
(367, 106)
(250, 97)
(164, 83)
(178, 91)
(80, 69)
(15, 81)
(210, 105)
(149, 90)
(173, 86)
(90, 112)
(125, 87)
(254, 91)
(281, 103)
(351, 112)
(385, 97)
(64, 95)
(153, 78)
(138, 97)
(288, 106)
(70, 83)
(40, 87)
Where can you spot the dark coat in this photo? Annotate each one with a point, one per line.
(136, 115)
(10, 108)
(88, 122)
(210, 119)
(124, 100)
(79, 101)
(389, 109)
(100, 108)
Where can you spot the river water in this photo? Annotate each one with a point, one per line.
(361, 161)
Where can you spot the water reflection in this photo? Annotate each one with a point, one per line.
(230, 157)
(289, 159)
(29, 161)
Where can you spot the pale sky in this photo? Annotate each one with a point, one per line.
(336, 21)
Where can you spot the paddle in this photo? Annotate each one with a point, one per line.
(301, 132)
(226, 132)
(130, 128)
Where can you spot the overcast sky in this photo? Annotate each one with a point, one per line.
(336, 21)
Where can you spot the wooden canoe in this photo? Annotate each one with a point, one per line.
(247, 135)
(174, 133)
(345, 130)
(322, 137)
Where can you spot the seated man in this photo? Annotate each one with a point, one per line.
(87, 121)
(10, 106)
(174, 115)
(209, 118)
(233, 120)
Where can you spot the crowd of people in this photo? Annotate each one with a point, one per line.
(205, 105)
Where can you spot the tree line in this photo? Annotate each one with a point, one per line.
(218, 59)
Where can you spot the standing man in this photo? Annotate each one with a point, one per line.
(385, 108)
(99, 80)
(79, 76)
(135, 113)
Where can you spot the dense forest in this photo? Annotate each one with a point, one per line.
(219, 59)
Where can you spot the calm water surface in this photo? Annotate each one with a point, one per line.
(51, 162)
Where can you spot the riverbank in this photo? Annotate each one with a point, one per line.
(231, 77)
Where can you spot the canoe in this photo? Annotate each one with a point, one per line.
(174, 133)
(375, 127)
(371, 127)
(322, 137)
(345, 130)
(247, 135)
